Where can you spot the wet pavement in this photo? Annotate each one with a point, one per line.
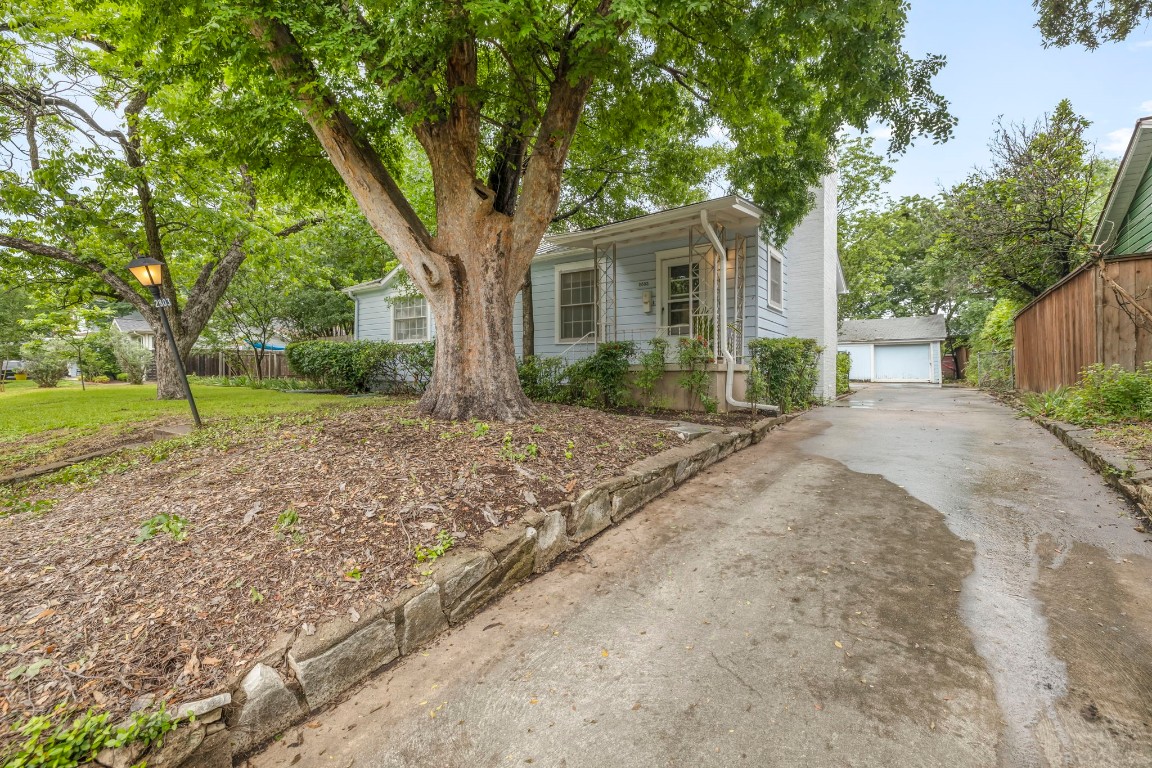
(911, 577)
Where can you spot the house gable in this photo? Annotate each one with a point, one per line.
(1135, 232)
(1125, 225)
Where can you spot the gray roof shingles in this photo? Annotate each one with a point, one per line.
(930, 327)
(133, 323)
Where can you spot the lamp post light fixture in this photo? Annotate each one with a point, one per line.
(150, 273)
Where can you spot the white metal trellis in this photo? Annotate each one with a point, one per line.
(738, 269)
(604, 255)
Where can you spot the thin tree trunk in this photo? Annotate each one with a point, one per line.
(528, 324)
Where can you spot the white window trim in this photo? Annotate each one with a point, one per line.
(427, 320)
(775, 255)
(574, 266)
(671, 258)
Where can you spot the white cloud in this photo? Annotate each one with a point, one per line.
(882, 132)
(1142, 44)
(1116, 141)
(1146, 107)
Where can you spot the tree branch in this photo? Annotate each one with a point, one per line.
(375, 191)
(583, 203)
(105, 273)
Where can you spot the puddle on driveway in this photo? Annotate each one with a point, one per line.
(1002, 484)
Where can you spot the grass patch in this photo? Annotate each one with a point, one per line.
(26, 411)
(39, 426)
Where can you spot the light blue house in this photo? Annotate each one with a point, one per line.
(704, 269)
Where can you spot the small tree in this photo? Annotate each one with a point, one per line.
(132, 359)
(46, 361)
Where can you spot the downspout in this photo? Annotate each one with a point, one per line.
(729, 358)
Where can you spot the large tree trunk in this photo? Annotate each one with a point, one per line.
(168, 385)
(475, 374)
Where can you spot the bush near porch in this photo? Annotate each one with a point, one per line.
(784, 371)
(788, 367)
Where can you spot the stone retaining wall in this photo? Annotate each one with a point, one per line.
(304, 672)
(1131, 478)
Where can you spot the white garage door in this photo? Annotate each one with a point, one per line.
(904, 362)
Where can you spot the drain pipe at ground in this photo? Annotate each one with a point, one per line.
(729, 359)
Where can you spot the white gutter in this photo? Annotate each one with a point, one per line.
(729, 359)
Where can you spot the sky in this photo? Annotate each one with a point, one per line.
(998, 66)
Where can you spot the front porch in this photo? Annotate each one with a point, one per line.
(689, 272)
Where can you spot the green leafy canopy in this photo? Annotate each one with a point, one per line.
(777, 80)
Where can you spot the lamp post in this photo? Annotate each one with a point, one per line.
(150, 273)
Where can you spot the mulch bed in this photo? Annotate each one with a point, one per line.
(298, 522)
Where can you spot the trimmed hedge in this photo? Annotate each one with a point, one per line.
(788, 368)
(360, 366)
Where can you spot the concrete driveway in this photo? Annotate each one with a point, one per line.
(911, 577)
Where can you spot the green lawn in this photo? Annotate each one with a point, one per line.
(26, 410)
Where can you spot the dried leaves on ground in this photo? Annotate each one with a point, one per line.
(169, 575)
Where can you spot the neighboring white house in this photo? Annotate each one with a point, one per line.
(137, 327)
(660, 275)
(894, 349)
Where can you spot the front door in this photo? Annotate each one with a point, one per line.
(681, 296)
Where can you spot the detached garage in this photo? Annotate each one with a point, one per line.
(895, 349)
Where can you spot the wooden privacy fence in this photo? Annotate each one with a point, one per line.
(1091, 316)
(273, 366)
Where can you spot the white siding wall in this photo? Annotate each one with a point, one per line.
(810, 260)
(769, 321)
(809, 267)
(374, 315)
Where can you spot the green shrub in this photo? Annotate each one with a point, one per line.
(1104, 395)
(693, 355)
(652, 364)
(101, 380)
(46, 361)
(97, 356)
(544, 379)
(360, 366)
(843, 369)
(789, 369)
(601, 380)
(122, 377)
(131, 358)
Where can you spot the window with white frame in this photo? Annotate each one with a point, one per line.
(577, 303)
(775, 280)
(410, 319)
